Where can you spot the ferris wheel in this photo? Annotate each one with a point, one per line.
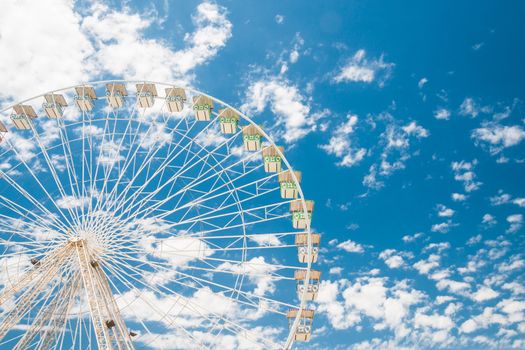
(138, 214)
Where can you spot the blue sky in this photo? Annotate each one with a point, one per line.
(406, 119)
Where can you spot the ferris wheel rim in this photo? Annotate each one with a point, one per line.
(308, 265)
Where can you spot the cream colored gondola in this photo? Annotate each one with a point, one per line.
(252, 138)
(146, 94)
(271, 158)
(304, 330)
(301, 241)
(21, 116)
(288, 185)
(175, 99)
(229, 121)
(299, 220)
(202, 105)
(313, 286)
(84, 98)
(115, 93)
(54, 105)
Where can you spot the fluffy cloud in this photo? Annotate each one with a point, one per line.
(458, 197)
(392, 259)
(257, 270)
(294, 115)
(470, 107)
(351, 246)
(444, 211)
(386, 305)
(442, 114)
(28, 51)
(484, 293)
(515, 221)
(178, 250)
(123, 50)
(395, 142)
(340, 144)
(463, 172)
(498, 137)
(360, 69)
(82, 46)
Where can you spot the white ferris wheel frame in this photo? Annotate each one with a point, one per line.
(309, 243)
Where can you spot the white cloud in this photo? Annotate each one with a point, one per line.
(266, 239)
(257, 270)
(458, 197)
(351, 246)
(499, 137)
(335, 270)
(463, 172)
(500, 199)
(488, 219)
(433, 321)
(425, 266)
(178, 250)
(70, 202)
(442, 114)
(416, 130)
(391, 259)
(340, 144)
(294, 116)
(452, 286)
(484, 293)
(123, 50)
(422, 82)
(279, 19)
(519, 201)
(360, 69)
(24, 148)
(387, 306)
(104, 40)
(444, 211)
(515, 221)
(44, 55)
(396, 142)
(474, 240)
(411, 238)
(469, 107)
(515, 263)
(442, 227)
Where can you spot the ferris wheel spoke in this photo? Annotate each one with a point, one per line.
(193, 183)
(260, 214)
(199, 201)
(136, 173)
(182, 169)
(74, 216)
(160, 170)
(71, 168)
(106, 145)
(126, 160)
(31, 217)
(30, 198)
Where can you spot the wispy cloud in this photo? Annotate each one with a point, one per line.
(361, 69)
